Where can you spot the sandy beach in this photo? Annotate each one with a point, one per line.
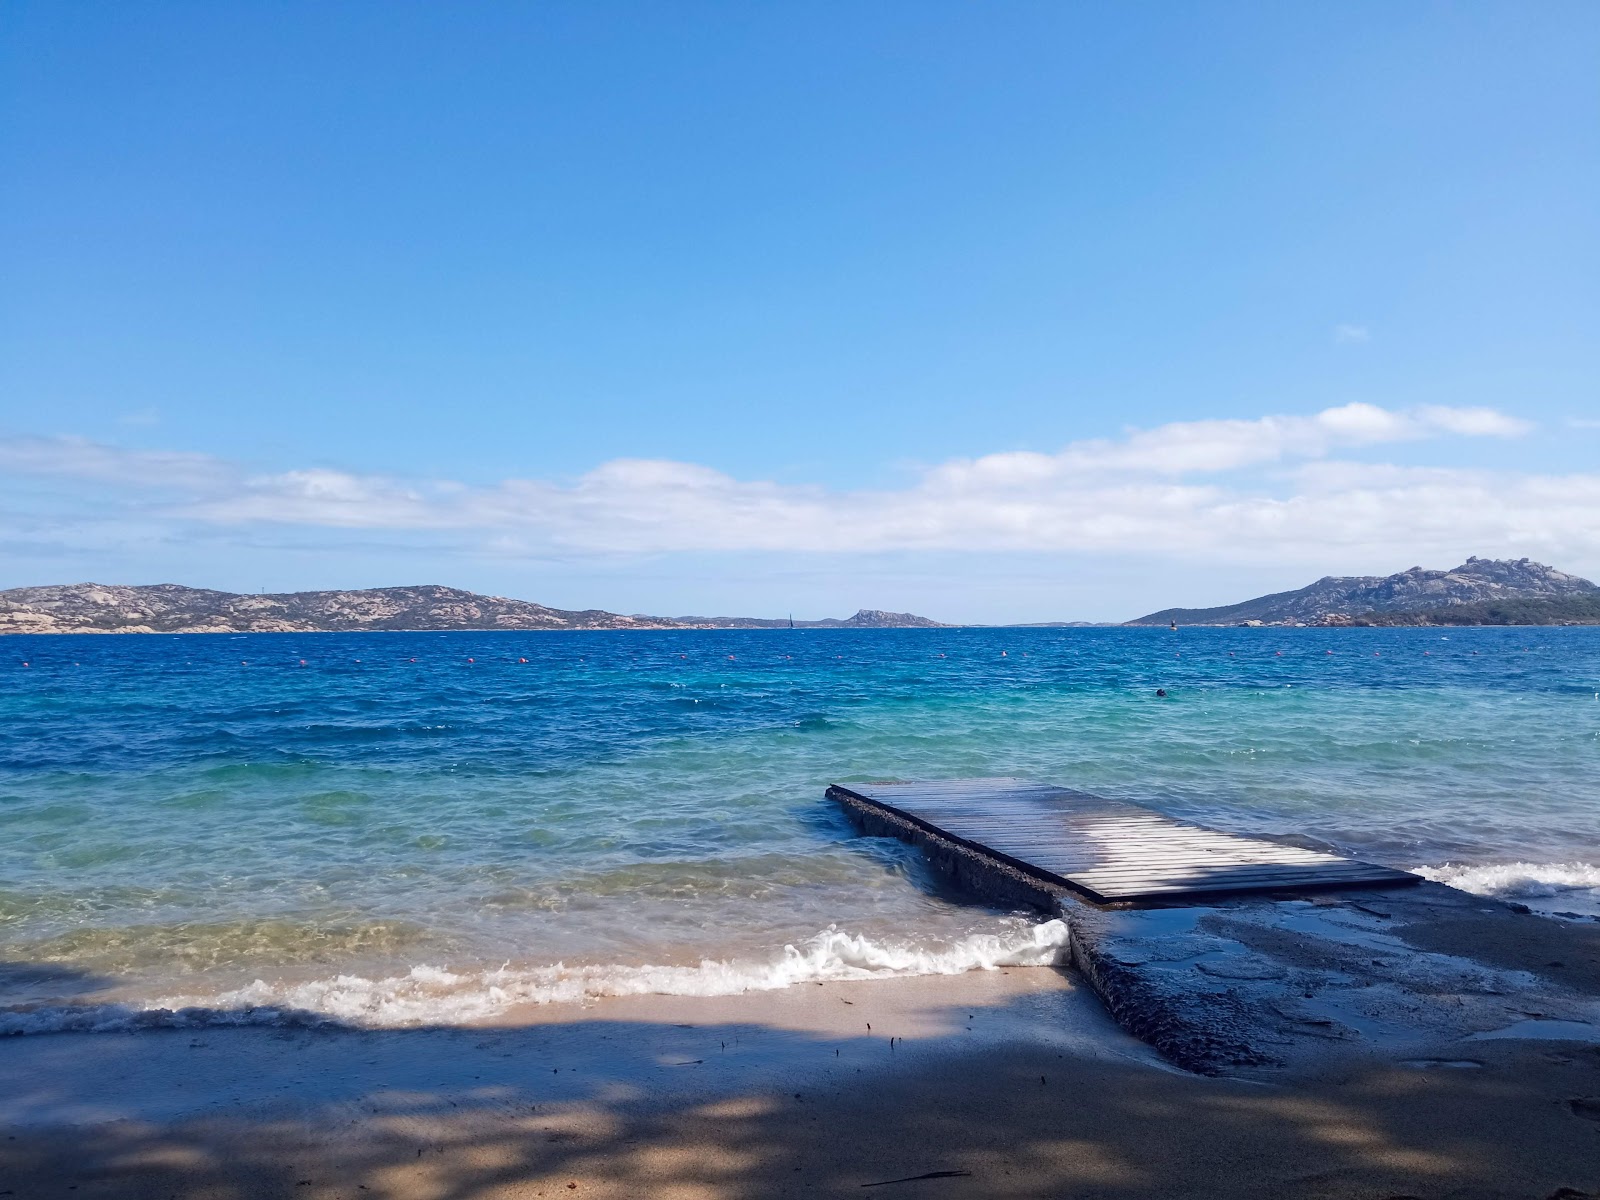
(1009, 1083)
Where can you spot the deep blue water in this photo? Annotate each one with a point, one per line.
(183, 816)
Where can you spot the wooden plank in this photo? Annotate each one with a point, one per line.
(1108, 849)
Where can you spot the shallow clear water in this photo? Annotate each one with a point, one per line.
(203, 819)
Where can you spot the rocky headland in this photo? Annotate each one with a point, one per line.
(172, 608)
(1474, 593)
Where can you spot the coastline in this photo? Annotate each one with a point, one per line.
(1002, 1083)
(1053, 627)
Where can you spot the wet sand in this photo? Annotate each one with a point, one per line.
(1010, 1083)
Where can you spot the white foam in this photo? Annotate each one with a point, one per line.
(1576, 884)
(433, 995)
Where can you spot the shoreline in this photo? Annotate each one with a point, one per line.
(424, 996)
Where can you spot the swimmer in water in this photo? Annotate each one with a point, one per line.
(1161, 693)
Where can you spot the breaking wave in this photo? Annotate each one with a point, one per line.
(1575, 884)
(428, 995)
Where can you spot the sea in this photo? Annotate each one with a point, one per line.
(397, 829)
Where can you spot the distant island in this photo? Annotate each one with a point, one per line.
(172, 608)
(1480, 591)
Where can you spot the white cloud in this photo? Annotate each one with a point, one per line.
(1472, 422)
(318, 496)
(1212, 489)
(1347, 335)
(1191, 447)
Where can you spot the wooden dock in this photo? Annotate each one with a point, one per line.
(1106, 850)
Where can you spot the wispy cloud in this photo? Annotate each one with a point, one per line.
(80, 458)
(1196, 447)
(1237, 490)
(1348, 335)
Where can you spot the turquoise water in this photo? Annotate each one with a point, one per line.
(424, 826)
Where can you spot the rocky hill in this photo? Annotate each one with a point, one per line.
(1340, 599)
(1582, 609)
(171, 608)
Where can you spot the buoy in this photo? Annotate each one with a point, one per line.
(731, 658)
(472, 660)
(522, 660)
(242, 663)
(27, 664)
(413, 660)
(302, 662)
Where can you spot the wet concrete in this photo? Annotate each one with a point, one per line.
(1256, 983)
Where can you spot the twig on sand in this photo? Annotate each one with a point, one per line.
(914, 1178)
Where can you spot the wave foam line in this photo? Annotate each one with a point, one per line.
(432, 995)
(1519, 880)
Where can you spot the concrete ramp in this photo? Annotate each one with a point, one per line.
(1107, 850)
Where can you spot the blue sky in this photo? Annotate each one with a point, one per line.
(757, 308)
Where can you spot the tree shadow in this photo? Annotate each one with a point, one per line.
(739, 1109)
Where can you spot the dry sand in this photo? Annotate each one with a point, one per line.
(1015, 1081)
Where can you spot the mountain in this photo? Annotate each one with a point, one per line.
(1581, 609)
(1340, 599)
(171, 608)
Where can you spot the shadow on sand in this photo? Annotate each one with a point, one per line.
(637, 1108)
